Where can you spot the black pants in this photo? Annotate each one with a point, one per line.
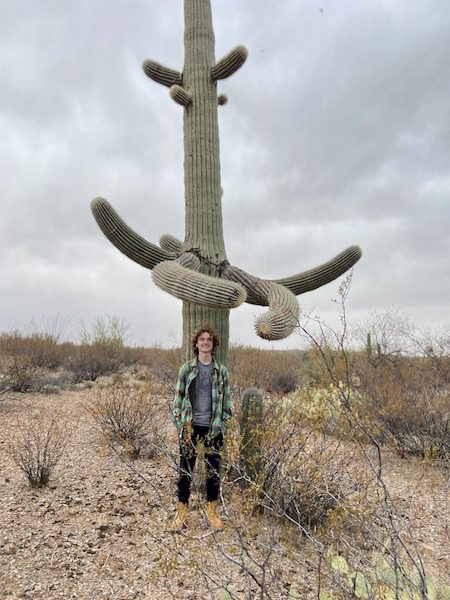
(188, 456)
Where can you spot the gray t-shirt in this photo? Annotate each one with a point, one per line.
(200, 394)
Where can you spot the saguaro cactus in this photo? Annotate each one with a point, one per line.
(196, 270)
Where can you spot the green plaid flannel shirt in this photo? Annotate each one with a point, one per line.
(221, 398)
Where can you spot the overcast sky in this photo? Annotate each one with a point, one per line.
(337, 132)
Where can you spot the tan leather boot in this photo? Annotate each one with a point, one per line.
(213, 517)
(180, 518)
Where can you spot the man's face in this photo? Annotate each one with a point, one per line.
(205, 342)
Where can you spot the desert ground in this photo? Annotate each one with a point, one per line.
(100, 528)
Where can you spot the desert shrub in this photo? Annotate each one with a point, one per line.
(269, 370)
(405, 375)
(162, 363)
(37, 444)
(27, 352)
(17, 373)
(130, 417)
(302, 473)
(322, 404)
(101, 350)
(40, 344)
(425, 435)
(410, 405)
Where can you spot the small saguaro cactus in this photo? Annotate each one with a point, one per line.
(196, 270)
(369, 348)
(252, 411)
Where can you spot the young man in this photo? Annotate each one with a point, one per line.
(201, 410)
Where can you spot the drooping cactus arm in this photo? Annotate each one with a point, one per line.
(282, 317)
(329, 271)
(162, 74)
(189, 285)
(125, 239)
(230, 63)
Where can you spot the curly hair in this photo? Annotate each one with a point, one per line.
(198, 333)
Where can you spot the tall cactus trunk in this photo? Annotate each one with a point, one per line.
(196, 270)
(194, 316)
(203, 224)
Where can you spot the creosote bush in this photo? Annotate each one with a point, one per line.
(37, 444)
(130, 417)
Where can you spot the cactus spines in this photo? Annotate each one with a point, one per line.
(191, 286)
(230, 63)
(252, 412)
(196, 270)
(180, 95)
(162, 74)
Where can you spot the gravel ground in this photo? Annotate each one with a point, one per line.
(99, 530)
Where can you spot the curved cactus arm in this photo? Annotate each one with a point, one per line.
(125, 239)
(230, 63)
(170, 244)
(191, 286)
(162, 74)
(315, 278)
(282, 317)
(180, 95)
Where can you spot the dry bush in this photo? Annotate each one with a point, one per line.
(37, 444)
(28, 353)
(401, 379)
(162, 363)
(102, 349)
(410, 397)
(406, 375)
(41, 345)
(302, 473)
(269, 370)
(131, 417)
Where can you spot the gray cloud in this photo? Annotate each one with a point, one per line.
(336, 132)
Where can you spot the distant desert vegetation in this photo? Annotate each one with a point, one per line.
(334, 487)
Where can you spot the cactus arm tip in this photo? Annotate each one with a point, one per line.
(171, 244)
(124, 238)
(282, 317)
(230, 63)
(323, 274)
(180, 95)
(161, 74)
